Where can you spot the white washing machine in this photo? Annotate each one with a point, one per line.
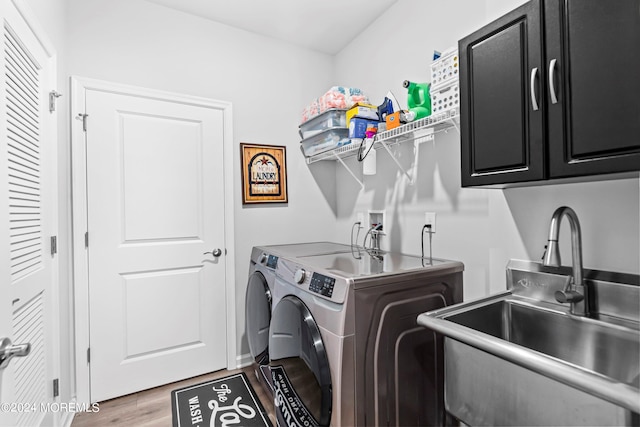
(344, 345)
(264, 260)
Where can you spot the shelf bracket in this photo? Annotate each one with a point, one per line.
(349, 170)
(386, 147)
(455, 125)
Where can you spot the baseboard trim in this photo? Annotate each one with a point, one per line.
(67, 418)
(244, 360)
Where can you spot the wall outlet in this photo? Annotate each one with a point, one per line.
(430, 219)
(360, 219)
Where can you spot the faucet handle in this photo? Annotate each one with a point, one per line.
(568, 296)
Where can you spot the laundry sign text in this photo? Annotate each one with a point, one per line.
(264, 174)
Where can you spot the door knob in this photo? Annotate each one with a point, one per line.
(9, 350)
(216, 252)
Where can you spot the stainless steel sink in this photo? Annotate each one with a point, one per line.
(593, 345)
(520, 358)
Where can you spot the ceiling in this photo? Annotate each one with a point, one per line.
(322, 25)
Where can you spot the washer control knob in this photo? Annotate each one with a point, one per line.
(263, 259)
(300, 276)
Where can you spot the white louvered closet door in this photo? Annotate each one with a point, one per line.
(28, 212)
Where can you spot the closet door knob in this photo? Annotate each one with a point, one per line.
(8, 351)
(216, 252)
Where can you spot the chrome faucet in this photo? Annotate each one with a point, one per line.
(374, 231)
(375, 241)
(575, 292)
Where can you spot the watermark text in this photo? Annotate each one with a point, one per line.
(54, 407)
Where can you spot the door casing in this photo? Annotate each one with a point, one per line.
(79, 86)
(24, 21)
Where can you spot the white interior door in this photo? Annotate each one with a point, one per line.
(155, 207)
(28, 213)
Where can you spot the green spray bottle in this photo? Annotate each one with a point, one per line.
(418, 99)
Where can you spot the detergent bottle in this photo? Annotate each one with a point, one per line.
(418, 98)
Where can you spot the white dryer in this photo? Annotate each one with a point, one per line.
(345, 347)
(264, 260)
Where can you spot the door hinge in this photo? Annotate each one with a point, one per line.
(53, 96)
(54, 245)
(56, 388)
(89, 355)
(83, 117)
(86, 239)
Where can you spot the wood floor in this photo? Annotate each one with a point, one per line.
(153, 407)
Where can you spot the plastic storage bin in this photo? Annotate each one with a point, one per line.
(445, 97)
(325, 140)
(333, 118)
(358, 127)
(445, 69)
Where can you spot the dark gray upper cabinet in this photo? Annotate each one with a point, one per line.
(594, 127)
(551, 90)
(501, 128)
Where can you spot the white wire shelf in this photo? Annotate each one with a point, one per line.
(423, 128)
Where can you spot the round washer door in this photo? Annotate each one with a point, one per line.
(299, 366)
(258, 317)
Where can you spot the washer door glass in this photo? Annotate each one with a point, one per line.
(258, 317)
(299, 366)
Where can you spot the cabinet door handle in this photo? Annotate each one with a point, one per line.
(534, 101)
(552, 87)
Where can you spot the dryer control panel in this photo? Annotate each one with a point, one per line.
(272, 261)
(269, 261)
(322, 285)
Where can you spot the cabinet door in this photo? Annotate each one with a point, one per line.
(501, 107)
(593, 60)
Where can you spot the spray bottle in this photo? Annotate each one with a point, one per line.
(418, 99)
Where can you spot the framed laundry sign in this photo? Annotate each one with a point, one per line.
(264, 173)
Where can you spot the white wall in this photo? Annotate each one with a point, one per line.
(269, 82)
(483, 228)
(399, 46)
(497, 8)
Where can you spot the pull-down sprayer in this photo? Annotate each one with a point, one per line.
(576, 292)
